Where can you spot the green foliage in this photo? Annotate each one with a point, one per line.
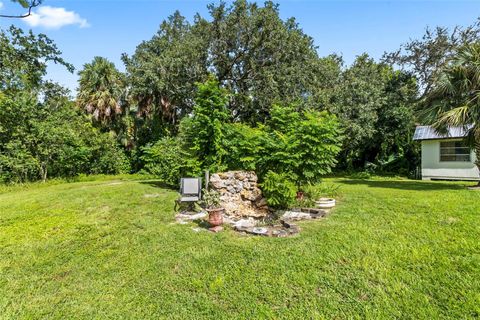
(303, 144)
(279, 190)
(375, 106)
(316, 145)
(243, 146)
(248, 47)
(322, 190)
(163, 73)
(101, 88)
(263, 61)
(313, 192)
(455, 97)
(210, 199)
(24, 58)
(204, 131)
(425, 57)
(40, 140)
(169, 160)
(305, 147)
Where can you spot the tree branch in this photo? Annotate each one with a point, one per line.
(33, 4)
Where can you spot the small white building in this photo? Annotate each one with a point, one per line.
(446, 157)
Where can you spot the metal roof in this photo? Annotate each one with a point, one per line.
(429, 133)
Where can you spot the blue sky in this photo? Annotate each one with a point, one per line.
(83, 29)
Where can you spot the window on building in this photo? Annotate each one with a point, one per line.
(454, 151)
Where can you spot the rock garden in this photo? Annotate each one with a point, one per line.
(235, 199)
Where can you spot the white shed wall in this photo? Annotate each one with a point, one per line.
(433, 168)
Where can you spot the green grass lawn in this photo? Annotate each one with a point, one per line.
(109, 249)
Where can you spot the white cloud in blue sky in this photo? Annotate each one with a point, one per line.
(1, 5)
(55, 18)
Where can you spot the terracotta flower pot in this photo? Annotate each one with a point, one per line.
(215, 216)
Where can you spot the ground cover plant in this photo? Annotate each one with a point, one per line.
(108, 248)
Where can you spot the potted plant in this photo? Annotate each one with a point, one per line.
(211, 203)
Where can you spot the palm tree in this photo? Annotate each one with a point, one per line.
(101, 90)
(455, 99)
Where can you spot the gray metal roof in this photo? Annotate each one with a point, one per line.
(428, 133)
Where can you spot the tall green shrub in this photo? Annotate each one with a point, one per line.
(204, 131)
(279, 190)
(316, 144)
(305, 145)
(169, 161)
(243, 146)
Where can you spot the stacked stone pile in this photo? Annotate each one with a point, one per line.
(239, 194)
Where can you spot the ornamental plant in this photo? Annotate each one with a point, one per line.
(304, 145)
(279, 190)
(210, 199)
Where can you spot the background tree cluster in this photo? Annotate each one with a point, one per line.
(262, 60)
(42, 133)
(300, 145)
(237, 89)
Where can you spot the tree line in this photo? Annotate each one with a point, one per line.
(264, 66)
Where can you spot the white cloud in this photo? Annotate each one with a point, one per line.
(1, 5)
(55, 18)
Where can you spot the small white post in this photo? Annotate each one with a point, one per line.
(207, 179)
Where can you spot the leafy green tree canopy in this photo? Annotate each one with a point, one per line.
(426, 57)
(455, 97)
(374, 105)
(24, 58)
(253, 53)
(101, 87)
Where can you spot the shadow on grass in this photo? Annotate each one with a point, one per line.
(408, 185)
(158, 184)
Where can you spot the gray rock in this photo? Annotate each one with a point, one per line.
(295, 216)
(262, 202)
(260, 231)
(184, 218)
(244, 224)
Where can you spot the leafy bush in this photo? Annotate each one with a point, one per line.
(110, 158)
(203, 133)
(317, 142)
(168, 160)
(279, 190)
(39, 141)
(210, 199)
(304, 145)
(243, 146)
(300, 144)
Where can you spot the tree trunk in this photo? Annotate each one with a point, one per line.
(477, 154)
(43, 171)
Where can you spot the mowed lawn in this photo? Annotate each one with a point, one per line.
(110, 250)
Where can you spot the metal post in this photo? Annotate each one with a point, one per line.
(207, 179)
